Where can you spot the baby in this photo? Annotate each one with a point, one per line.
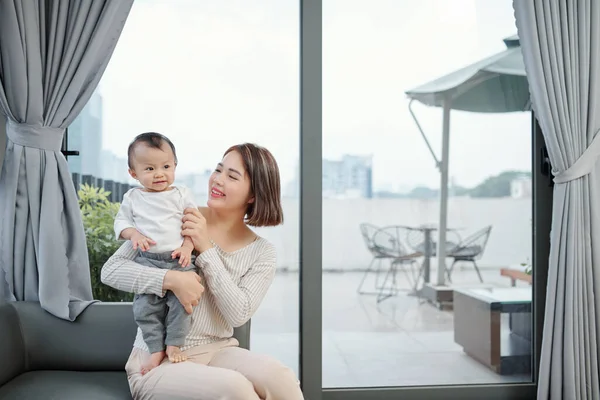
(150, 217)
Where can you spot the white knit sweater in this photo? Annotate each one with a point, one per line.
(235, 284)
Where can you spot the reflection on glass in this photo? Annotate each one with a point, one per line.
(208, 75)
(426, 213)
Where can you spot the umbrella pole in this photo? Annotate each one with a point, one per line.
(443, 224)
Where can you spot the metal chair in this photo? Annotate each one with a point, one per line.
(416, 241)
(368, 232)
(470, 249)
(391, 242)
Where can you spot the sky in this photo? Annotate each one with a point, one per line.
(212, 74)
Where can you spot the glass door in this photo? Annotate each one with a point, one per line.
(383, 180)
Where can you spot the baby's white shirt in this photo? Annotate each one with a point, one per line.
(156, 215)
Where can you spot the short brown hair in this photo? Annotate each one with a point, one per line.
(265, 185)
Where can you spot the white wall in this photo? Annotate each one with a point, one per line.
(343, 247)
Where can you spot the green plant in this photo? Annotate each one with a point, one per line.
(98, 214)
(527, 265)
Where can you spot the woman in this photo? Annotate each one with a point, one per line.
(236, 267)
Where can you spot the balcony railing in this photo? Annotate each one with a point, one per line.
(116, 189)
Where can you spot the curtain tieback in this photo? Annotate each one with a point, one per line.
(583, 165)
(39, 137)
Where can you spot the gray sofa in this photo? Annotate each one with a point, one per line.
(44, 357)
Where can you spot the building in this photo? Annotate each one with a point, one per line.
(197, 183)
(350, 177)
(85, 136)
(114, 168)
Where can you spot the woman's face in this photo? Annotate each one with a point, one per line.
(229, 184)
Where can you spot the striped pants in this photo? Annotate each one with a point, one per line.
(216, 371)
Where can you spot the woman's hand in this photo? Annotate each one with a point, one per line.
(194, 227)
(186, 286)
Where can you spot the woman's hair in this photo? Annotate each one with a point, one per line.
(265, 185)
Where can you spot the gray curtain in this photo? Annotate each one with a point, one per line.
(52, 55)
(560, 40)
(2, 139)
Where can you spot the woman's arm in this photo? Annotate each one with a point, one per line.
(238, 302)
(122, 273)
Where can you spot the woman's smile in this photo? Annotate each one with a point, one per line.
(216, 193)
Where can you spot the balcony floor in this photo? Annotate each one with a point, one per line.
(400, 342)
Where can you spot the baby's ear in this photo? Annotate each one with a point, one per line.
(132, 173)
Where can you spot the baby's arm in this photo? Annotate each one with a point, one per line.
(184, 252)
(137, 239)
(125, 228)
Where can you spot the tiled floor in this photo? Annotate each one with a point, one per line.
(396, 343)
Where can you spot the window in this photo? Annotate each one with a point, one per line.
(367, 329)
(393, 316)
(208, 75)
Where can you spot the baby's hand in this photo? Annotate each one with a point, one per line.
(141, 241)
(185, 255)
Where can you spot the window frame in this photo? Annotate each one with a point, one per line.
(310, 243)
(311, 218)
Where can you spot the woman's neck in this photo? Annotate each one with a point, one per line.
(228, 223)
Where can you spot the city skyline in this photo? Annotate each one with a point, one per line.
(350, 176)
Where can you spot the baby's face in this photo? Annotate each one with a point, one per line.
(153, 168)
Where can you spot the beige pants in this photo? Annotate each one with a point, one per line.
(216, 371)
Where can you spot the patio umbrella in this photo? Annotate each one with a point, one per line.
(497, 84)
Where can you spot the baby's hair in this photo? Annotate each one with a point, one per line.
(150, 139)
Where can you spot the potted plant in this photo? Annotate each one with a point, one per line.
(98, 215)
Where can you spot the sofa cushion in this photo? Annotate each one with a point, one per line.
(99, 340)
(12, 347)
(67, 385)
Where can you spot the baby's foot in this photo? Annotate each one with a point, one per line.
(153, 362)
(175, 354)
